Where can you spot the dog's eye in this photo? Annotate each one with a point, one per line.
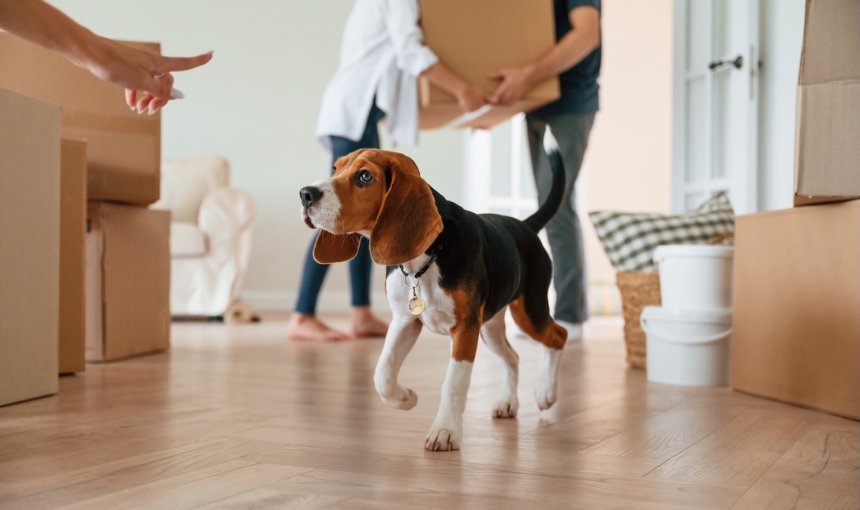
(363, 178)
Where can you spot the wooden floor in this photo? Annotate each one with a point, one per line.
(236, 417)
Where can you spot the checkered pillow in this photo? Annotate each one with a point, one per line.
(629, 239)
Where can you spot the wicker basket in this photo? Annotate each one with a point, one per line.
(638, 290)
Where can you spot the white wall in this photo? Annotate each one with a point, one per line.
(781, 36)
(256, 103)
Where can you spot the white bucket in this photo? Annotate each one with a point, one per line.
(695, 277)
(687, 348)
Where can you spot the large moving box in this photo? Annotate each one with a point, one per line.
(797, 272)
(476, 37)
(73, 220)
(797, 306)
(828, 104)
(127, 281)
(29, 246)
(123, 148)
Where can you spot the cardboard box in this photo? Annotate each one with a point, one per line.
(477, 37)
(828, 104)
(124, 149)
(797, 306)
(29, 246)
(127, 281)
(73, 220)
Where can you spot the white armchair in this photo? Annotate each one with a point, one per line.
(210, 235)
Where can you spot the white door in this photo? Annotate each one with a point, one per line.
(498, 170)
(715, 102)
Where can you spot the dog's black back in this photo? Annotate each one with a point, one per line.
(499, 258)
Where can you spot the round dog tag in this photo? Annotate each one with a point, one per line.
(416, 305)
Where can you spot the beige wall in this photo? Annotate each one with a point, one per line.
(628, 162)
(256, 103)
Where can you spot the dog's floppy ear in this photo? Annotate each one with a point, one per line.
(330, 248)
(408, 221)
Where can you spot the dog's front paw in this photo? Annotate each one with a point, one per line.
(395, 395)
(506, 407)
(546, 394)
(441, 439)
(408, 399)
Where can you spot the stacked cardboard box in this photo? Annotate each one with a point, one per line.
(828, 104)
(29, 246)
(797, 272)
(123, 148)
(498, 34)
(128, 281)
(73, 211)
(125, 311)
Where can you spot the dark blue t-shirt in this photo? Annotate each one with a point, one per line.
(579, 90)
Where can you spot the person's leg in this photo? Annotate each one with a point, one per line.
(304, 324)
(364, 323)
(361, 266)
(311, 283)
(564, 230)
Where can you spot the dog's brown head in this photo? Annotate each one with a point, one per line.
(376, 193)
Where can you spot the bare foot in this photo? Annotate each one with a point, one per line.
(308, 327)
(365, 324)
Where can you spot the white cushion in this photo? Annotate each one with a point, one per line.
(185, 182)
(186, 240)
(629, 239)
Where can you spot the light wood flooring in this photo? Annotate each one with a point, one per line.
(237, 417)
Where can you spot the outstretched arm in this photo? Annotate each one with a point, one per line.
(145, 75)
(414, 57)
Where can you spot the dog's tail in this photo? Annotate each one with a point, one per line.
(548, 209)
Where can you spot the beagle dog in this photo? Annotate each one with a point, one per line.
(450, 270)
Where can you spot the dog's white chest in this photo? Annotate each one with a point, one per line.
(438, 314)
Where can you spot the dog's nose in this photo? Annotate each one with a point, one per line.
(309, 195)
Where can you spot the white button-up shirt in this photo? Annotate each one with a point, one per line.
(381, 56)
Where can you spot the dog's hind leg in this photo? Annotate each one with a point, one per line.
(493, 334)
(532, 316)
(546, 386)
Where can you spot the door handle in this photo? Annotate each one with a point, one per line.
(738, 62)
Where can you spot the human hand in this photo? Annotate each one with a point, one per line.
(146, 76)
(470, 98)
(514, 82)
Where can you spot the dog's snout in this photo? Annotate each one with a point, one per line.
(309, 195)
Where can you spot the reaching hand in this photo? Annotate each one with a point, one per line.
(145, 75)
(514, 82)
(470, 98)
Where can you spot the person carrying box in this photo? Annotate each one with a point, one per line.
(382, 55)
(575, 58)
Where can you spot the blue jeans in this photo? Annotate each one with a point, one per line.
(360, 267)
(564, 231)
